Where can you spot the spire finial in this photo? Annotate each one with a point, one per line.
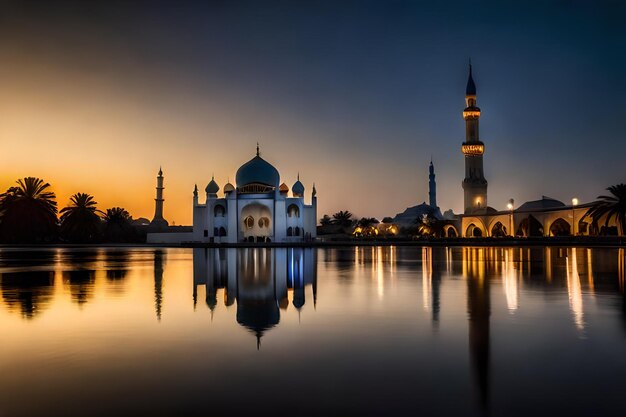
(195, 190)
(298, 175)
(160, 171)
(257, 149)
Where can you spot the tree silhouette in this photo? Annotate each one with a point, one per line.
(80, 221)
(343, 218)
(609, 207)
(117, 226)
(28, 212)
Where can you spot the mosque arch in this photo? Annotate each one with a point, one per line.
(473, 231)
(560, 227)
(499, 230)
(450, 231)
(293, 211)
(222, 232)
(296, 231)
(219, 210)
(530, 227)
(290, 231)
(257, 221)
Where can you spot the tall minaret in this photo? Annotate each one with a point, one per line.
(432, 186)
(474, 184)
(158, 219)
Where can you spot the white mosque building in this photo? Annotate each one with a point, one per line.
(257, 209)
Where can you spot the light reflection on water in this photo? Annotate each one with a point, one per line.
(328, 331)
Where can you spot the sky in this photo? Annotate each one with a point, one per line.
(357, 97)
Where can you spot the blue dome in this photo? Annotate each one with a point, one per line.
(212, 187)
(257, 171)
(298, 188)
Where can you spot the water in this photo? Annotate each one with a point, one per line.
(349, 331)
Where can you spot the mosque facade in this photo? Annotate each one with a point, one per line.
(258, 208)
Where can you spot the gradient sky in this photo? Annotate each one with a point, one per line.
(356, 96)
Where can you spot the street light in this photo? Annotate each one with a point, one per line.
(574, 204)
(510, 206)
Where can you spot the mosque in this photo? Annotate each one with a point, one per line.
(257, 209)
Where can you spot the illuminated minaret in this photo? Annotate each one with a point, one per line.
(474, 184)
(158, 219)
(432, 186)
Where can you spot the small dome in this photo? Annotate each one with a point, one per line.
(257, 171)
(284, 188)
(229, 188)
(212, 187)
(297, 188)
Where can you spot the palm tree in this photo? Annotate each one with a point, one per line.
(610, 206)
(28, 212)
(326, 220)
(117, 226)
(80, 221)
(343, 218)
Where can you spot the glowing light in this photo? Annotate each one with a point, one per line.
(574, 201)
(574, 290)
(473, 149)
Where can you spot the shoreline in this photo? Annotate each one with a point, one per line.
(581, 241)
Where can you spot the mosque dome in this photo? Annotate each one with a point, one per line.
(257, 171)
(212, 187)
(229, 188)
(284, 188)
(298, 188)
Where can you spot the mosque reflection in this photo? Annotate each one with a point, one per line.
(260, 281)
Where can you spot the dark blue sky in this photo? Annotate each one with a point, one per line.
(356, 96)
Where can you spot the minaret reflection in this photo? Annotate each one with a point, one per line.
(478, 310)
(431, 280)
(159, 256)
(259, 280)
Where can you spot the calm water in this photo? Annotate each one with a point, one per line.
(365, 331)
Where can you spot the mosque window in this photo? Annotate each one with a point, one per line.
(206, 233)
(264, 222)
(219, 211)
(289, 231)
(248, 222)
(296, 231)
(293, 211)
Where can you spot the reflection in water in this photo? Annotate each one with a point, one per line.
(259, 280)
(253, 289)
(510, 280)
(478, 310)
(159, 256)
(28, 291)
(574, 290)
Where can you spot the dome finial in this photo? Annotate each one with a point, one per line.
(298, 175)
(257, 149)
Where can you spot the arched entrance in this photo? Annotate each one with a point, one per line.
(560, 227)
(473, 231)
(530, 227)
(451, 232)
(499, 230)
(256, 222)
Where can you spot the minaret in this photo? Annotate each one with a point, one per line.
(158, 219)
(432, 186)
(474, 184)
